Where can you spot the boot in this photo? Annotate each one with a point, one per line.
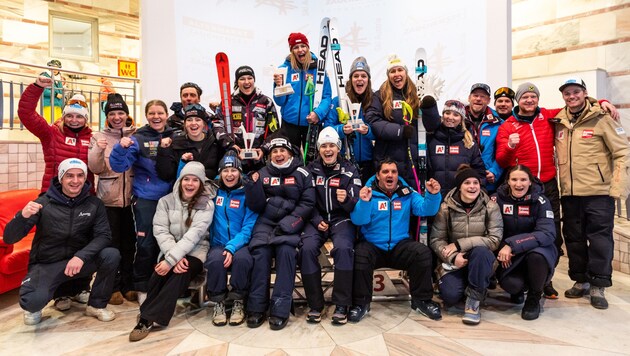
(238, 314)
(218, 317)
(598, 300)
(531, 309)
(472, 314)
(314, 296)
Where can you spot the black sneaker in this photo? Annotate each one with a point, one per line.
(428, 308)
(549, 292)
(340, 316)
(358, 312)
(531, 309)
(314, 316)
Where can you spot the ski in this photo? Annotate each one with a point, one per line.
(421, 70)
(310, 149)
(223, 72)
(335, 50)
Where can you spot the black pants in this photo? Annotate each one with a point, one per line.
(531, 274)
(296, 134)
(123, 239)
(163, 291)
(408, 255)
(588, 231)
(42, 280)
(342, 235)
(147, 249)
(552, 193)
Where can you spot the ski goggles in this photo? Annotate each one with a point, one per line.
(504, 91)
(74, 102)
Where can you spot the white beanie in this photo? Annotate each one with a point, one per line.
(393, 61)
(328, 135)
(194, 168)
(70, 163)
(76, 106)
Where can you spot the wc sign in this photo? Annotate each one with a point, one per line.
(127, 69)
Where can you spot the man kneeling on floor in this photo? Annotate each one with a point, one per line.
(71, 241)
(383, 211)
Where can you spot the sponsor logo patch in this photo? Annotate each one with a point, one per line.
(275, 181)
(620, 131)
(439, 149)
(70, 141)
(523, 211)
(235, 204)
(357, 181)
(587, 134)
(85, 143)
(266, 180)
(549, 214)
(319, 180)
(295, 77)
(560, 135)
(454, 150)
(508, 209)
(219, 201)
(397, 205)
(382, 205)
(334, 182)
(397, 104)
(485, 132)
(287, 180)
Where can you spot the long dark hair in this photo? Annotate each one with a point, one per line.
(354, 97)
(193, 201)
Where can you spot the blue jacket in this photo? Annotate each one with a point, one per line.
(486, 136)
(141, 155)
(233, 221)
(446, 151)
(528, 226)
(361, 144)
(327, 181)
(384, 221)
(296, 106)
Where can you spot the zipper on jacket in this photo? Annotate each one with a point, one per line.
(69, 230)
(389, 242)
(303, 76)
(124, 176)
(531, 126)
(227, 218)
(571, 159)
(600, 172)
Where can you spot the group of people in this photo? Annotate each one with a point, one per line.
(180, 195)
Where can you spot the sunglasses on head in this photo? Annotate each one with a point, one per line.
(504, 91)
(455, 103)
(79, 102)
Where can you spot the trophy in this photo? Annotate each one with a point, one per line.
(355, 121)
(248, 152)
(285, 89)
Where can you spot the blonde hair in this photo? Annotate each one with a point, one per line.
(297, 65)
(410, 96)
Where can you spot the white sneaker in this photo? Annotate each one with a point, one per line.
(32, 318)
(142, 296)
(82, 297)
(63, 303)
(102, 314)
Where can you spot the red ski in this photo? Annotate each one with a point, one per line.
(223, 72)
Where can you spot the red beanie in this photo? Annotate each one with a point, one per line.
(297, 37)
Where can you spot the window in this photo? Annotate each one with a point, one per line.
(73, 36)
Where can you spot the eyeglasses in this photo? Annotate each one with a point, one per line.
(79, 102)
(504, 91)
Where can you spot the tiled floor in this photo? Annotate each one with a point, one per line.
(566, 327)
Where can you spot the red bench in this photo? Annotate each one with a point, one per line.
(14, 258)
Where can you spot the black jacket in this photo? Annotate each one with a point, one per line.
(327, 181)
(65, 227)
(169, 158)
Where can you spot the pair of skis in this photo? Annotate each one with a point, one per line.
(421, 70)
(223, 72)
(310, 147)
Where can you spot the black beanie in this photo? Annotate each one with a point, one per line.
(464, 173)
(244, 70)
(116, 102)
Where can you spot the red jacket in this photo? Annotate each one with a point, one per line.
(58, 141)
(535, 149)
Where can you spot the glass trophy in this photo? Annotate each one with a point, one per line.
(285, 89)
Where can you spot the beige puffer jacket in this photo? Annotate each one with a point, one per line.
(482, 226)
(592, 153)
(114, 189)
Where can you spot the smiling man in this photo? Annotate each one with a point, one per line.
(382, 213)
(71, 241)
(592, 151)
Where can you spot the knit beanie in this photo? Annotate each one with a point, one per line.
(230, 161)
(360, 63)
(296, 38)
(464, 172)
(278, 140)
(455, 106)
(526, 87)
(76, 105)
(393, 61)
(195, 110)
(115, 102)
(328, 135)
(194, 168)
(244, 70)
(70, 163)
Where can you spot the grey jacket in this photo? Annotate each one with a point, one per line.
(482, 226)
(169, 225)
